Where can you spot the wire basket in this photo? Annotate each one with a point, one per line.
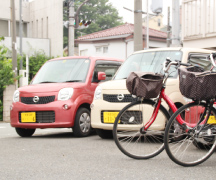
(196, 84)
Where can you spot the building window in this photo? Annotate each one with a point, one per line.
(3, 28)
(42, 28)
(98, 49)
(47, 28)
(83, 52)
(105, 49)
(159, 22)
(36, 28)
(24, 29)
(32, 29)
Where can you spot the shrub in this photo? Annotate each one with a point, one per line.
(6, 74)
(35, 62)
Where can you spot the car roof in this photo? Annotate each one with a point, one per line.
(94, 58)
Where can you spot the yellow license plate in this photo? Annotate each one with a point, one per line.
(28, 117)
(109, 117)
(211, 120)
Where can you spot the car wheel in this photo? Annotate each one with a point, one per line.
(104, 134)
(82, 124)
(25, 132)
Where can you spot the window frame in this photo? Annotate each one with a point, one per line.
(106, 62)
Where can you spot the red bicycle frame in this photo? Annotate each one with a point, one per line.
(172, 107)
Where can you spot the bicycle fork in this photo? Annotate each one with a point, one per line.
(153, 117)
(204, 121)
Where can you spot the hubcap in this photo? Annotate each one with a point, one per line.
(85, 122)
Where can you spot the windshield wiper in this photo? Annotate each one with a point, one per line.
(74, 81)
(46, 82)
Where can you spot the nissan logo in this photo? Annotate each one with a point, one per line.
(120, 97)
(36, 99)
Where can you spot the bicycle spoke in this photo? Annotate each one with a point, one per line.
(196, 145)
(128, 131)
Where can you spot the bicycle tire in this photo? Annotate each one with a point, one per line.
(140, 145)
(190, 147)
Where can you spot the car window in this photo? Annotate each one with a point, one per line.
(64, 70)
(148, 62)
(200, 60)
(109, 69)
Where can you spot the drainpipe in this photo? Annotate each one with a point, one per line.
(126, 43)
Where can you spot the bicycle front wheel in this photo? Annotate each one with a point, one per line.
(129, 135)
(192, 144)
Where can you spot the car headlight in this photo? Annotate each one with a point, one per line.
(98, 92)
(16, 96)
(65, 94)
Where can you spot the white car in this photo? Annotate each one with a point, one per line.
(112, 96)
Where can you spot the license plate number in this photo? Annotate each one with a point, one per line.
(109, 117)
(211, 120)
(28, 117)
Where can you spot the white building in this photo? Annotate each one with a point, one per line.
(199, 23)
(42, 30)
(42, 25)
(117, 41)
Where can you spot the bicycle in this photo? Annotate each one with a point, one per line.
(139, 127)
(193, 139)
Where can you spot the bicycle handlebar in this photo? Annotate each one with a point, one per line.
(168, 63)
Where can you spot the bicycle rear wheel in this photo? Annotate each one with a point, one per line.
(128, 130)
(190, 146)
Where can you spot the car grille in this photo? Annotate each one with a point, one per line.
(42, 100)
(126, 116)
(43, 116)
(113, 98)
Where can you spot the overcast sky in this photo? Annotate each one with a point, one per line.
(129, 17)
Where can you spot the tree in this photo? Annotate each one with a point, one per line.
(6, 74)
(102, 14)
(35, 62)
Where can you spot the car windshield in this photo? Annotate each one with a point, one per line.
(64, 70)
(148, 62)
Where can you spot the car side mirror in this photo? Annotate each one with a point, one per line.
(101, 76)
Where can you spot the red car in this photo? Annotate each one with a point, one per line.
(60, 95)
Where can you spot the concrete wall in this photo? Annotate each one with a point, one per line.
(5, 12)
(29, 45)
(157, 44)
(7, 101)
(44, 20)
(116, 49)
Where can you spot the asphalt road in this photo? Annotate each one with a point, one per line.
(52, 154)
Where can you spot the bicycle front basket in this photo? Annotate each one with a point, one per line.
(196, 84)
(147, 85)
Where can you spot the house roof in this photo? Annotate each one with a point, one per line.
(124, 30)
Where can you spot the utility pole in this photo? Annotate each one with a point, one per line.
(71, 29)
(175, 23)
(147, 26)
(168, 27)
(138, 37)
(20, 35)
(71, 26)
(13, 38)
